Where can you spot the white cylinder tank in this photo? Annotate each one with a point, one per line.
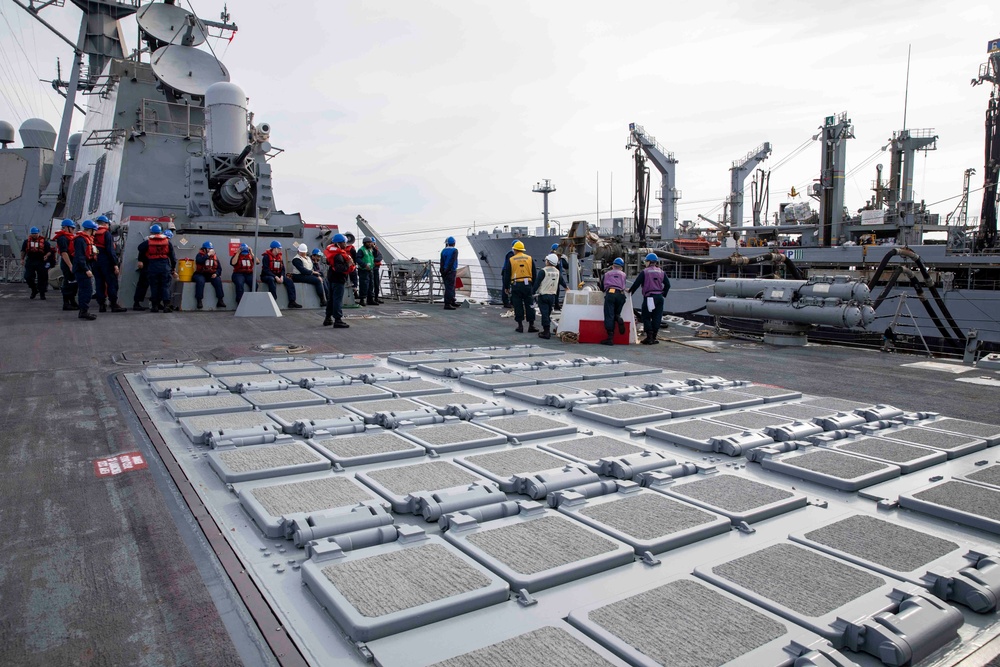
(37, 133)
(225, 119)
(6, 133)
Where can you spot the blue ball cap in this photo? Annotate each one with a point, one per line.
(244, 249)
(619, 261)
(207, 245)
(554, 246)
(102, 218)
(450, 240)
(652, 257)
(275, 245)
(89, 224)
(156, 229)
(34, 230)
(68, 223)
(339, 238)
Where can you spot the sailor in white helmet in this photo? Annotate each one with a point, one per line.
(306, 271)
(547, 284)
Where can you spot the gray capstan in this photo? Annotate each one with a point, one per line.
(970, 498)
(422, 477)
(648, 515)
(680, 625)
(880, 448)
(594, 447)
(834, 464)
(376, 442)
(735, 494)
(888, 544)
(530, 547)
(988, 475)
(513, 461)
(383, 584)
(559, 648)
(310, 495)
(247, 459)
(800, 579)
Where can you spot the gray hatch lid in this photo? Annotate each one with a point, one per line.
(972, 505)
(242, 464)
(834, 469)
(274, 506)
(681, 405)
(374, 445)
(909, 458)
(235, 367)
(293, 397)
(207, 405)
(620, 413)
(172, 372)
(738, 498)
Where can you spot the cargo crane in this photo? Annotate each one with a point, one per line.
(666, 165)
(738, 174)
(990, 71)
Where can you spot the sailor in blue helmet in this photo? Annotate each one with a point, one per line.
(36, 257)
(84, 263)
(449, 272)
(272, 273)
(242, 263)
(505, 275)
(655, 285)
(613, 284)
(208, 268)
(161, 264)
(341, 266)
(106, 273)
(64, 252)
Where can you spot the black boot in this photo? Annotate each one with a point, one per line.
(328, 321)
(102, 307)
(199, 305)
(621, 326)
(154, 306)
(67, 305)
(118, 308)
(652, 338)
(41, 295)
(87, 315)
(532, 328)
(293, 305)
(340, 324)
(138, 306)
(167, 308)
(610, 340)
(545, 333)
(34, 293)
(220, 304)
(72, 302)
(520, 327)
(322, 303)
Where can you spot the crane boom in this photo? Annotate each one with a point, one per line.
(665, 164)
(738, 174)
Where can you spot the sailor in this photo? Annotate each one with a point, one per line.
(84, 263)
(242, 263)
(316, 256)
(272, 272)
(449, 272)
(160, 265)
(208, 269)
(655, 285)
(563, 267)
(521, 270)
(366, 266)
(353, 276)
(64, 248)
(36, 255)
(613, 284)
(546, 286)
(338, 258)
(142, 280)
(505, 275)
(307, 272)
(106, 273)
(376, 290)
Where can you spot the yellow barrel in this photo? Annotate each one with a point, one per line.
(185, 270)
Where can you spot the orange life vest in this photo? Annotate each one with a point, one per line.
(100, 236)
(36, 244)
(333, 250)
(159, 247)
(210, 265)
(244, 264)
(69, 236)
(275, 262)
(90, 250)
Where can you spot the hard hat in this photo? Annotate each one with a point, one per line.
(102, 218)
(652, 257)
(244, 249)
(169, 234)
(339, 238)
(518, 245)
(207, 245)
(450, 240)
(368, 239)
(34, 230)
(552, 259)
(316, 251)
(68, 223)
(275, 245)
(303, 247)
(554, 246)
(156, 229)
(89, 224)
(619, 261)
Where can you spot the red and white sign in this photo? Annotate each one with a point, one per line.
(116, 465)
(234, 247)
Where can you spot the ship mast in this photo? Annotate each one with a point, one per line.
(990, 71)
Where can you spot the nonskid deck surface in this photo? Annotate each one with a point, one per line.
(253, 514)
(497, 510)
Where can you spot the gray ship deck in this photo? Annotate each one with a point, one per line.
(119, 570)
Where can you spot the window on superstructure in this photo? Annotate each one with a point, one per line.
(95, 193)
(77, 198)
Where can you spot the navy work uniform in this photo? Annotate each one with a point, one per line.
(159, 252)
(613, 284)
(272, 271)
(449, 272)
(307, 273)
(64, 251)
(84, 262)
(36, 254)
(207, 269)
(106, 269)
(655, 285)
(522, 276)
(242, 263)
(547, 285)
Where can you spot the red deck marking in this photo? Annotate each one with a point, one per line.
(116, 465)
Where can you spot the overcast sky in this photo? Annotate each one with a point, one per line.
(429, 117)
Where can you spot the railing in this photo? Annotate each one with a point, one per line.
(11, 270)
(411, 281)
(168, 118)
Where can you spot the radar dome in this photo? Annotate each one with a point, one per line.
(74, 144)
(6, 133)
(37, 133)
(225, 119)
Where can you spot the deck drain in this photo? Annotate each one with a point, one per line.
(144, 357)
(280, 348)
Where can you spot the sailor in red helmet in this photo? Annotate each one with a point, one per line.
(84, 263)
(272, 273)
(338, 258)
(36, 252)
